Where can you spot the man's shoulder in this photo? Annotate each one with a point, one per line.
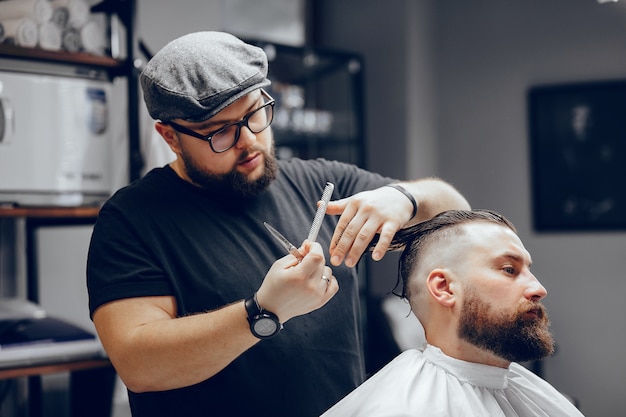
(154, 179)
(320, 169)
(316, 164)
(308, 173)
(144, 191)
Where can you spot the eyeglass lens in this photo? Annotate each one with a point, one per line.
(256, 121)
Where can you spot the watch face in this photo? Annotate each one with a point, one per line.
(265, 326)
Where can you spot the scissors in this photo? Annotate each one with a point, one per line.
(315, 227)
(283, 241)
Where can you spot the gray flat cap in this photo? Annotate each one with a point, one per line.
(197, 75)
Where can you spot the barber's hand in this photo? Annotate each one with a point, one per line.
(292, 289)
(383, 210)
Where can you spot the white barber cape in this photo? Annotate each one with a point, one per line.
(429, 384)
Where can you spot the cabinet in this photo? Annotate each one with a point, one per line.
(63, 63)
(94, 376)
(92, 379)
(319, 102)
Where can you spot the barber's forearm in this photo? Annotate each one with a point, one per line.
(174, 353)
(433, 196)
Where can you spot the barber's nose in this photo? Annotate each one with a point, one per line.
(535, 291)
(246, 137)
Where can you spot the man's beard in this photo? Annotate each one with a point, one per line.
(233, 184)
(508, 335)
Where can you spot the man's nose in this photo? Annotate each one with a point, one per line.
(246, 137)
(535, 291)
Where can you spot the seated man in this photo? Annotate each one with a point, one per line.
(467, 277)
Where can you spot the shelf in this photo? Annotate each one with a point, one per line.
(61, 57)
(54, 368)
(50, 212)
(36, 217)
(92, 380)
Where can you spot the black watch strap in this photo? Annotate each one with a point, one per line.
(252, 307)
(263, 324)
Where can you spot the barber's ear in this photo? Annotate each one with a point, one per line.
(440, 287)
(168, 135)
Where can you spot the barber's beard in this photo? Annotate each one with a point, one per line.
(508, 335)
(233, 184)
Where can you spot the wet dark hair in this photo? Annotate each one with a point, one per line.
(412, 239)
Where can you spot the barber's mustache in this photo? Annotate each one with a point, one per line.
(246, 154)
(535, 308)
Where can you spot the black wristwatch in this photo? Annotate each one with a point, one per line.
(263, 324)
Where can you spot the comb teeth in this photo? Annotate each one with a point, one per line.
(321, 211)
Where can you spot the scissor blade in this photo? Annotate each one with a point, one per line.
(289, 247)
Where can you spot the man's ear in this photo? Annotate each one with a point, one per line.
(169, 136)
(440, 288)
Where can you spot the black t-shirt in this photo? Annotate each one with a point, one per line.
(163, 236)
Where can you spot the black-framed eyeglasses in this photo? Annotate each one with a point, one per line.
(227, 136)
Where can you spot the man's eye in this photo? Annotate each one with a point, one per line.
(227, 130)
(509, 270)
(209, 132)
